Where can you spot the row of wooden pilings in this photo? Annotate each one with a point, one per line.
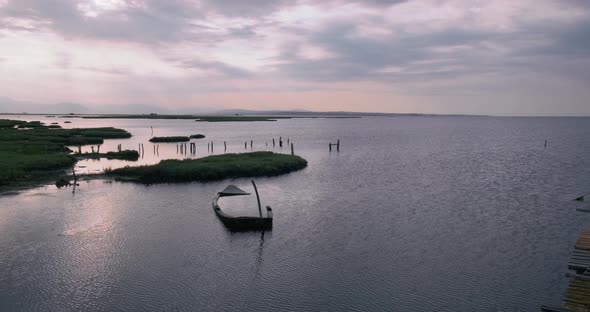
(191, 148)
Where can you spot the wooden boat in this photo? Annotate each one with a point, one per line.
(242, 223)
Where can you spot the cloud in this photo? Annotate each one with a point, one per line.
(189, 47)
(215, 68)
(148, 21)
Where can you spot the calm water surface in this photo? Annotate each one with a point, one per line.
(413, 214)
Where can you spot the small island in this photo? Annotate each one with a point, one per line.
(170, 139)
(212, 168)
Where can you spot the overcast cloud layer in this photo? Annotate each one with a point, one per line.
(526, 57)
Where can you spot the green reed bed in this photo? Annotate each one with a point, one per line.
(212, 168)
(170, 139)
(32, 151)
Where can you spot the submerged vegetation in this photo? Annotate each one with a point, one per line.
(31, 151)
(169, 139)
(211, 168)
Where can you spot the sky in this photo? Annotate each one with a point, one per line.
(496, 57)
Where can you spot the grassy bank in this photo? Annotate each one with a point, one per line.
(31, 151)
(169, 139)
(211, 168)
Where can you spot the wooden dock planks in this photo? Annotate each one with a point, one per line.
(577, 294)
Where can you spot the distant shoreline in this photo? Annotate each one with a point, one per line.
(268, 115)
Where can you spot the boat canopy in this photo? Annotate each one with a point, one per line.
(232, 190)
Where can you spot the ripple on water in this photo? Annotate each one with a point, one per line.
(413, 214)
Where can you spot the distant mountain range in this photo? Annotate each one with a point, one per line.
(8, 105)
(11, 106)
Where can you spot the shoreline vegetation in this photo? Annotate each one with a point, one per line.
(197, 136)
(31, 152)
(170, 139)
(212, 168)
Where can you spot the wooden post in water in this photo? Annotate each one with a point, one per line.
(158, 149)
(287, 141)
(292, 150)
(251, 143)
(75, 178)
(79, 149)
(246, 145)
(258, 199)
(280, 142)
(273, 142)
(211, 147)
(224, 146)
(545, 144)
(92, 147)
(338, 145)
(330, 146)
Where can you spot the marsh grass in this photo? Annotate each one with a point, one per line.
(169, 139)
(212, 168)
(30, 151)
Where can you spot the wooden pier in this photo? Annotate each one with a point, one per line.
(577, 294)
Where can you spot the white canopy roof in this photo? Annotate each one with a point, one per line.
(233, 190)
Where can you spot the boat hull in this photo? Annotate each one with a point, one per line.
(239, 224)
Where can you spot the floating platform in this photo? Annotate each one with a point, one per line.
(242, 223)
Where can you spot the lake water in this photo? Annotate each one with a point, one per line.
(413, 214)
